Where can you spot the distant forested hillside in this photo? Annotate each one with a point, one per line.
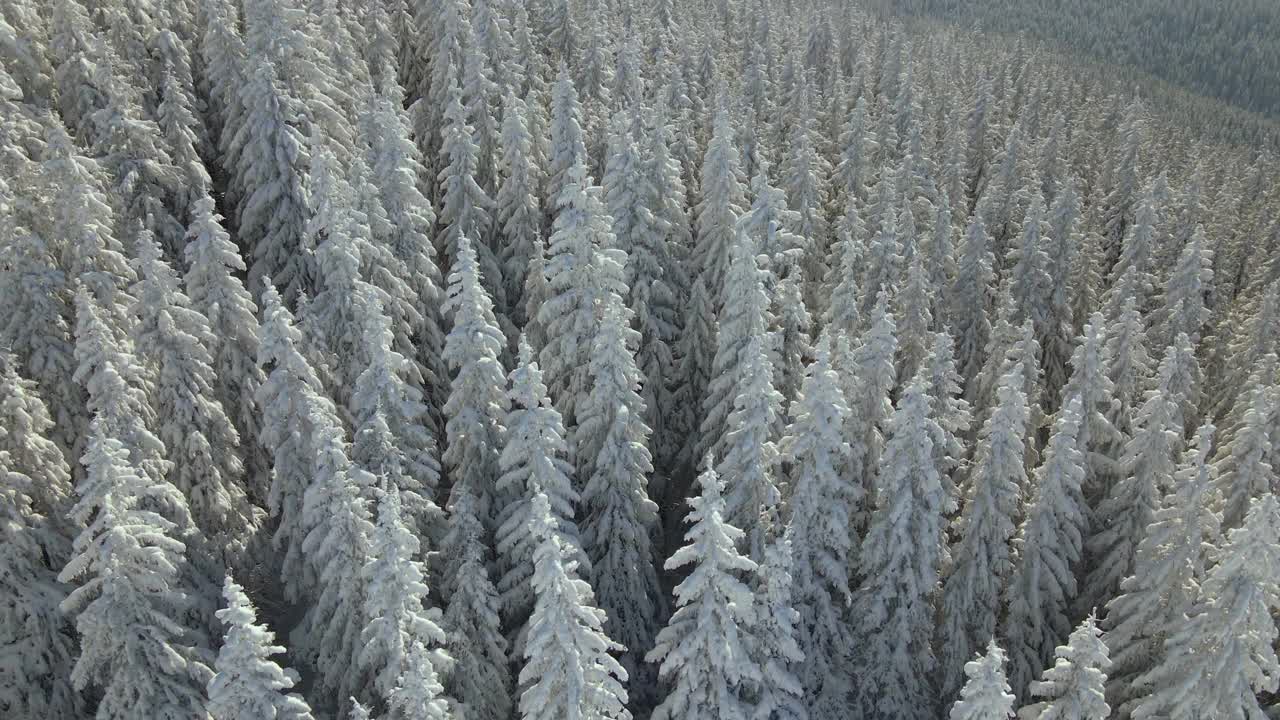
(1229, 49)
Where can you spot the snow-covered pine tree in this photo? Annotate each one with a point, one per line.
(117, 395)
(569, 671)
(857, 146)
(185, 135)
(1245, 463)
(290, 398)
(387, 276)
(951, 411)
(821, 532)
(689, 137)
(670, 199)
(982, 555)
(805, 174)
(1169, 567)
(916, 179)
(977, 124)
(392, 438)
(129, 147)
(951, 180)
(567, 144)
(27, 443)
(641, 231)
(479, 680)
(1074, 687)
(203, 447)
(628, 80)
(723, 200)
(705, 651)
(886, 94)
(914, 319)
(72, 43)
(339, 82)
(1145, 468)
(1098, 439)
(869, 378)
(772, 229)
(493, 36)
(482, 96)
(30, 71)
(939, 256)
(1187, 213)
(477, 402)
(842, 313)
(438, 33)
(247, 683)
(1222, 654)
(224, 70)
(273, 207)
(397, 169)
(562, 34)
(32, 552)
(400, 644)
(117, 384)
(1130, 365)
(593, 77)
(537, 288)
(696, 352)
(1122, 195)
(465, 205)
(1245, 349)
(737, 324)
(900, 560)
(81, 214)
(1040, 592)
(129, 594)
(581, 269)
(780, 693)
(1062, 248)
(318, 88)
(971, 299)
(1262, 374)
(618, 516)
(883, 257)
(1183, 307)
(1186, 383)
(1027, 351)
(518, 207)
(356, 222)
(533, 461)
(1029, 280)
(336, 547)
(1135, 256)
(743, 410)
(751, 457)
(1003, 201)
(1000, 352)
(213, 285)
(37, 327)
(986, 693)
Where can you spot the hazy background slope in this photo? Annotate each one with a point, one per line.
(1228, 49)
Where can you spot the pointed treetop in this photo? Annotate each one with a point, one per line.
(986, 694)
(1074, 688)
(247, 682)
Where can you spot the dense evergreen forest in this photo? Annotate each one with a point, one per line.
(1226, 49)
(600, 359)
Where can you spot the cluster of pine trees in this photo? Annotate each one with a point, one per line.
(598, 359)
